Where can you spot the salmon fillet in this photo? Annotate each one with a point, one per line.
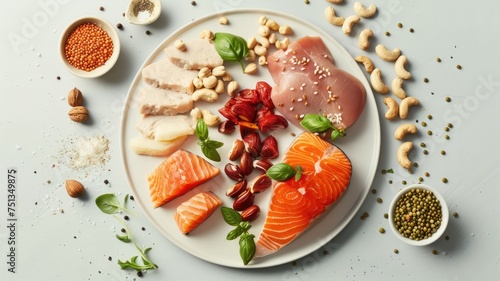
(176, 175)
(193, 212)
(295, 205)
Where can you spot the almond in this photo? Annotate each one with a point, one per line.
(74, 188)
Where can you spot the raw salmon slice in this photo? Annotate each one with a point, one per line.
(295, 205)
(193, 212)
(179, 173)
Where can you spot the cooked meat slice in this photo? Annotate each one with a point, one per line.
(157, 101)
(164, 74)
(199, 53)
(165, 128)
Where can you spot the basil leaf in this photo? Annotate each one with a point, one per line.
(337, 134)
(214, 144)
(201, 130)
(210, 152)
(298, 175)
(316, 123)
(231, 47)
(231, 216)
(247, 248)
(108, 203)
(280, 172)
(235, 233)
(123, 238)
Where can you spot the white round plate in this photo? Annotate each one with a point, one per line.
(208, 241)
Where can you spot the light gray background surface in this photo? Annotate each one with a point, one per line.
(59, 238)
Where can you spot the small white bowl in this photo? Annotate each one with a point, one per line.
(106, 26)
(144, 17)
(444, 211)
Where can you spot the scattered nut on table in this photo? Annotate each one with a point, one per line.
(332, 18)
(75, 97)
(79, 114)
(405, 129)
(74, 188)
(385, 54)
(377, 83)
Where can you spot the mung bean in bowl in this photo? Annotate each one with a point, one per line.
(418, 215)
(89, 47)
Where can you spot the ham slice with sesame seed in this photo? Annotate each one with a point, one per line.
(307, 81)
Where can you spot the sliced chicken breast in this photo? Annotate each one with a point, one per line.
(165, 128)
(199, 53)
(166, 75)
(157, 101)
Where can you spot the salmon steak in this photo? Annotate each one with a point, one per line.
(308, 81)
(178, 174)
(296, 204)
(193, 212)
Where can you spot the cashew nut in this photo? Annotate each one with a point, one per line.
(262, 20)
(210, 119)
(364, 37)
(206, 34)
(262, 60)
(219, 71)
(180, 45)
(364, 12)
(274, 26)
(260, 50)
(402, 155)
(198, 83)
(349, 23)
(377, 82)
(264, 30)
(251, 55)
(223, 20)
(285, 30)
(335, 1)
(196, 114)
(405, 105)
(405, 129)
(283, 44)
(399, 67)
(272, 38)
(393, 108)
(204, 72)
(210, 82)
(251, 68)
(386, 54)
(227, 77)
(264, 42)
(397, 88)
(251, 42)
(205, 94)
(219, 88)
(332, 18)
(232, 87)
(367, 63)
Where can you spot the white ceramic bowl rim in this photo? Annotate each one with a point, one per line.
(444, 211)
(112, 34)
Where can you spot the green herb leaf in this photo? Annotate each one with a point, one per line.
(211, 153)
(316, 123)
(280, 172)
(108, 203)
(390, 171)
(247, 248)
(336, 133)
(231, 47)
(201, 130)
(235, 233)
(231, 216)
(298, 174)
(214, 144)
(123, 238)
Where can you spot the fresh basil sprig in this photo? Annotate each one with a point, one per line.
(109, 204)
(208, 146)
(247, 241)
(283, 172)
(317, 123)
(231, 47)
